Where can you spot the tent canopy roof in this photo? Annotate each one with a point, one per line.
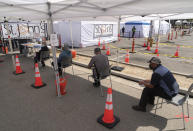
(63, 9)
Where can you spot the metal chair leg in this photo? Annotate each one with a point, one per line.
(162, 102)
(101, 91)
(111, 82)
(188, 109)
(72, 70)
(156, 105)
(183, 115)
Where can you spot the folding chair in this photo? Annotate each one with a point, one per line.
(102, 76)
(178, 100)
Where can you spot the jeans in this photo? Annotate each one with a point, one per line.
(148, 95)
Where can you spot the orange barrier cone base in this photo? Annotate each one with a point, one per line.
(18, 73)
(108, 125)
(37, 87)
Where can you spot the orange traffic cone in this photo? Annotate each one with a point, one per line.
(108, 119)
(156, 50)
(6, 50)
(108, 51)
(144, 45)
(38, 79)
(18, 67)
(104, 48)
(172, 34)
(168, 36)
(176, 55)
(148, 46)
(157, 54)
(176, 35)
(99, 43)
(133, 46)
(73, 52)
(127, 57)
(63, 82)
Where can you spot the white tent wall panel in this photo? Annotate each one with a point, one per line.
(83, 34)
(164, 27)
(88, 29)
(63, 28)
(142, 28)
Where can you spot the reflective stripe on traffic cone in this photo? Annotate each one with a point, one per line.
(108, 119)
(18, 67)
(38, 79)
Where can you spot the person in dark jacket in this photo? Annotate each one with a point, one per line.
(37, 57)
(162, 84)
(100, 64)
(66, 53)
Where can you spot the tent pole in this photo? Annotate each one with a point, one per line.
(71, 34)
(10, 44)
(50, 25)
(169, 26)
(119, 20)
(158, 36)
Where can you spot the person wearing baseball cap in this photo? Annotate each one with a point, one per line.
(100, 66)
(162, 84)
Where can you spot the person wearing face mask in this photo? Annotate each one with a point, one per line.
(162, 84)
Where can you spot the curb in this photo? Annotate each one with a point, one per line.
(140, 66)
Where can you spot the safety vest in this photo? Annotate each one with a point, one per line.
(167, 82)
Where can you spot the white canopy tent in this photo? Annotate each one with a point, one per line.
(63, 9)
(86, 33)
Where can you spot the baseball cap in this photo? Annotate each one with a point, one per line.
(155, 60)
(97, 50)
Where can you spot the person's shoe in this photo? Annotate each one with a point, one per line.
(96, 85)
(139, 108)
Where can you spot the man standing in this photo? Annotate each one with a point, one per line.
(162, 84)
(133, 31)
(101, 66)
(123, 30)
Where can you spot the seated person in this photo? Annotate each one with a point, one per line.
(66, 53)
(162, 84)
(37, 57)
(101, 66)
